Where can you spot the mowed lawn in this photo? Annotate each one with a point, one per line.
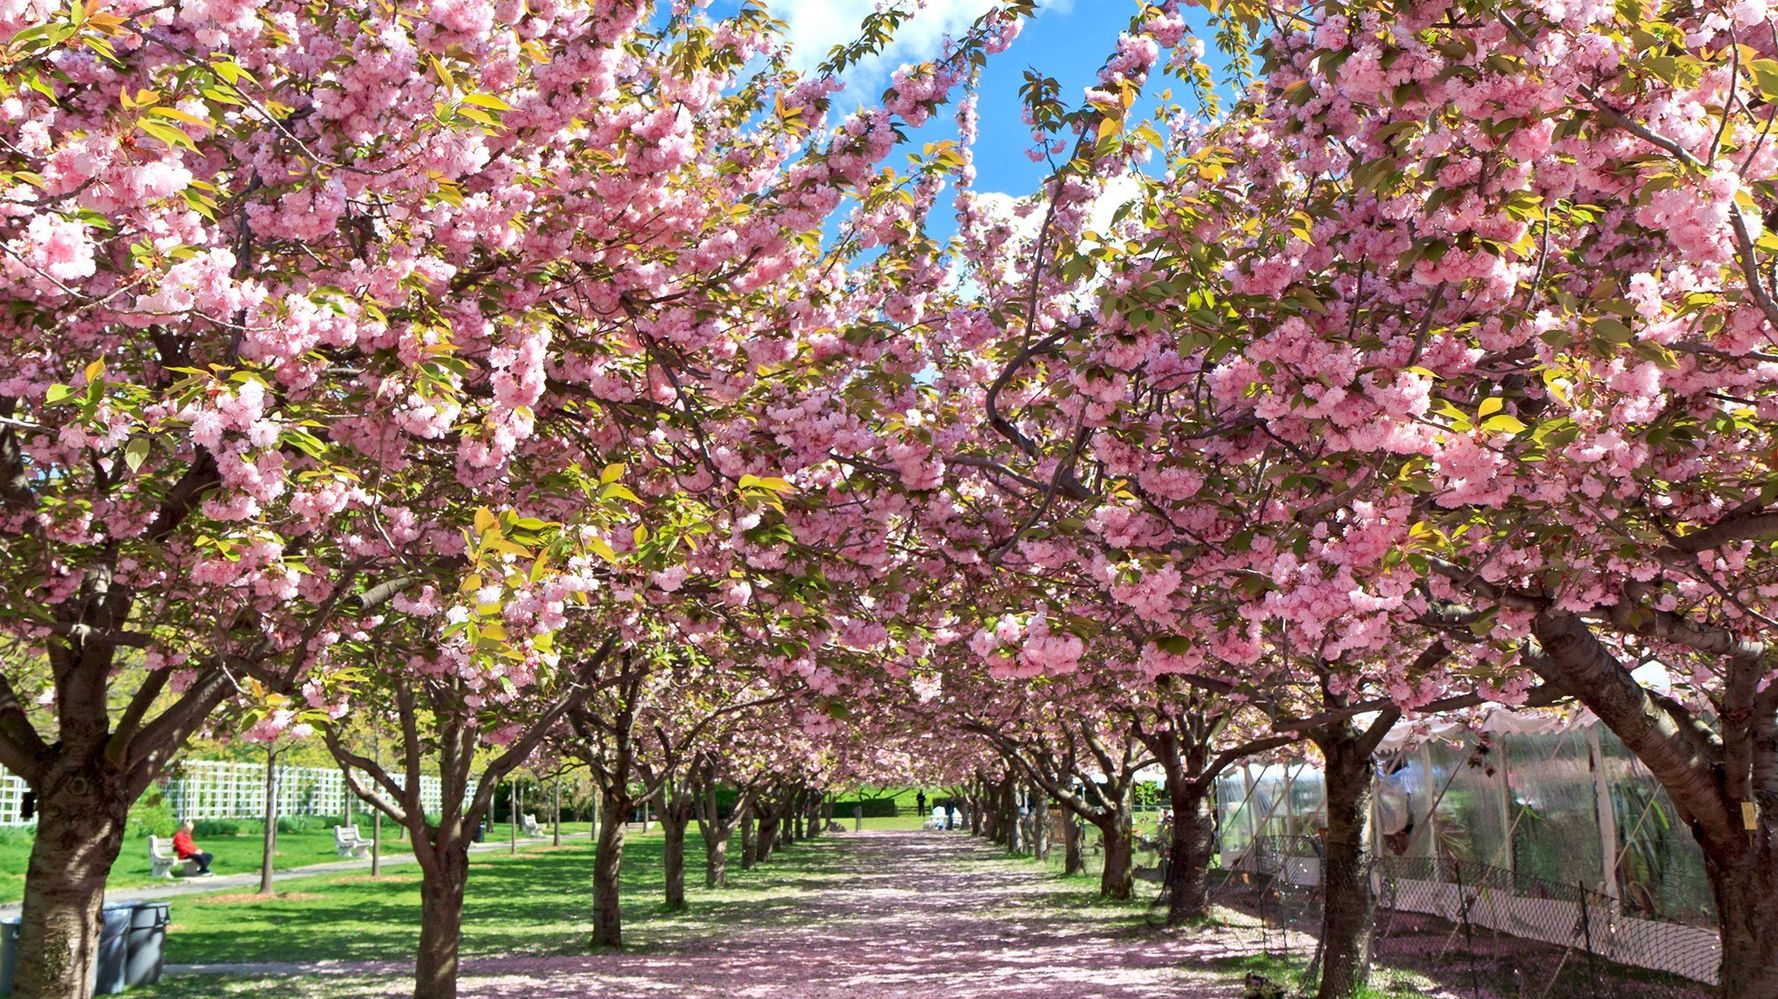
(336, 936)
(237, 854)
(538, 901)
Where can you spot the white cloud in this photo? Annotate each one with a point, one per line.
(816, 26)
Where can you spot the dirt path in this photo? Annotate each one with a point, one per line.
(891, 914)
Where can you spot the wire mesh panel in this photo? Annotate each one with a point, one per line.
(1526, 864)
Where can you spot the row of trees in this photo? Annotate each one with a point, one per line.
(490, 375)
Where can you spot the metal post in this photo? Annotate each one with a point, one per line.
(1608, 847)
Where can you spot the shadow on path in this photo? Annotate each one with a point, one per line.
(889, 914)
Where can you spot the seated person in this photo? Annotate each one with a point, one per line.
(185, 849)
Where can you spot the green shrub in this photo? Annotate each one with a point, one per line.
(150, 816)
(307, 823)
(874, 808)
(215, 827)
(22, 836)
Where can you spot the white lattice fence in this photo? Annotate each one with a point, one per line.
(213, 789)
(12, 799)
(208, 789)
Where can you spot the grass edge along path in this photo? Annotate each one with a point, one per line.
(980, 918)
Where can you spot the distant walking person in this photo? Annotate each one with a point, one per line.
(185, 849)
(920, 802)
(950, 814)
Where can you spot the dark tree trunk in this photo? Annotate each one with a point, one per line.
(1009, 814)
(674, 859)
(269, 846)
(975, 817)
(1348, 906)
(1188, 853)
(80, 825)
(444, 872)
(749, 845)
(675, 816)
(1747, 909)
(766, 840)
(607, 868)
(1072, 862)
(716, 859)
(1117, 880)
(1040, 820)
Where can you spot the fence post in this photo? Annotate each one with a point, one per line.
(1586, 935)
(1607, 815)
(1475, 982)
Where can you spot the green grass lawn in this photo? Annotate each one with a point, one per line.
(1293, 975)
(537, 902)
(238, 854)
(234, 855)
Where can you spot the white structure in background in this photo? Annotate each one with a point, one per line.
(1508, 822)
(214, 789)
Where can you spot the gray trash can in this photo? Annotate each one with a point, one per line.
(9, 953)
(147, 943)
(108, 963)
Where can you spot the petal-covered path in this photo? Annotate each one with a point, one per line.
(893, 914)
(861, 915)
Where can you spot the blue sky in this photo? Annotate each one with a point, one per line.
(1069, 40)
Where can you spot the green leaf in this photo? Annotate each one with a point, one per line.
(168, 134)
(1765, 76)
(1613, 331)
(57, 393)
(136, 452)
(487, 101)
(1503, 423)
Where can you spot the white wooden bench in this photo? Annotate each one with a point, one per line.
(163, 864)
(528, 825)
(347, 842)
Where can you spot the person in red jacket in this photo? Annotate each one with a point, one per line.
(185, 849)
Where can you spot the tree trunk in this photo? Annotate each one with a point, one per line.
(975, 817)
(555, 813)
(673, 853)
(1072, 863)
(1009, 814)
(269, 849)
(1711, 779)
(749, 846)
(1117, 880)
(80, 825)
(1188, 853)
(443, 874)
(607, 865)
(1348, 907)
(767, 840)
(1747, 909)
(1040, 820)
(512, 816)
(716, 858)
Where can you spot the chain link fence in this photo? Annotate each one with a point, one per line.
(1477, 930)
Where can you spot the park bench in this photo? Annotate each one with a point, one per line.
(163, 864)
(528, 825)
(347, 842)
